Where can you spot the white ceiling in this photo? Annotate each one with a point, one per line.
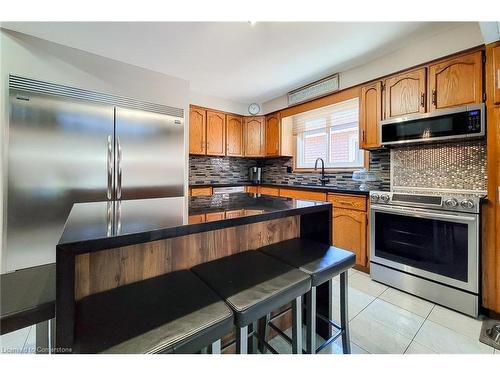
(237, 61)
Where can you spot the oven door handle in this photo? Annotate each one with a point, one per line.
(422, 213)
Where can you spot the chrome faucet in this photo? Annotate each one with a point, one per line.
(322, 179)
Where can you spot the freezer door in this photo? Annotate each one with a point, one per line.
(149, 154)
(59, 152)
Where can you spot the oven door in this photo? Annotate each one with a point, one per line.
(436, 245)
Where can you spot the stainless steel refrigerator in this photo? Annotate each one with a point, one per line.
(67, 145)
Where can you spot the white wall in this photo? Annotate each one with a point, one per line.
(465, 36)
(36, 58)
(214, 102)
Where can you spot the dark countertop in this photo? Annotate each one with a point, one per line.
(28, 297)
(103, 225)
(326, 189)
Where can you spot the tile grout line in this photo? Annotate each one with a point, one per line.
(411, 295)
(418, 330)
(374, 299)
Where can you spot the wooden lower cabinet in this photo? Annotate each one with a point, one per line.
(269, 190)
(252, 212)
(196, 192)
(349, 202)
(234, 213)
(213, 216)
(195, 219)
(349, 232)
(252, 189)
(303, 194)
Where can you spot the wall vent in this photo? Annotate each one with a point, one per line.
(313, 90)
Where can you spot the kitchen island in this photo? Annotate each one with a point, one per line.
(106, 245)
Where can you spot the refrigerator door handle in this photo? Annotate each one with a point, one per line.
(110, 167)
(119, 166)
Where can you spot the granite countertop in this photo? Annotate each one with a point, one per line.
(326, 189)
(101, 225)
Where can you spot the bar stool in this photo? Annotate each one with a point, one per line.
(322, 262)
(253, 285)
(172, 313)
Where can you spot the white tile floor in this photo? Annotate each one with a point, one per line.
(382, 320)
(387, 321)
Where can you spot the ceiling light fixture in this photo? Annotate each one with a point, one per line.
(252, 23)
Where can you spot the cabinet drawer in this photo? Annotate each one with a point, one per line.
(350, 202)
(269, 191)
(213, 216)
(194, 219)
(252, 189)
(195, 192)
(303, 194)
(234, 213)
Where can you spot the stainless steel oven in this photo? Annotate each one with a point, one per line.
(428, 246)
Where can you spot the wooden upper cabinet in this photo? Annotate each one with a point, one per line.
(456, 81)
(370, 114)
(404, 94)
(273, 134)
(496, 72)
(254, 135)
(216, 133)
(197, 131)
(234, 135)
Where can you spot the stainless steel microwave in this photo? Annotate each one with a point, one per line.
(442, 125)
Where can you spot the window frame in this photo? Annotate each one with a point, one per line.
(297, 152)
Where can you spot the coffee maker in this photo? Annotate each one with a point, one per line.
(255, 174)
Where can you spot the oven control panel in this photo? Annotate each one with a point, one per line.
(458, 202)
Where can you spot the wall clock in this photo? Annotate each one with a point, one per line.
(253, 109)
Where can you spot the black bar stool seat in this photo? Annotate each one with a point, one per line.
(172, 313)
(253, 285)
(322, 262)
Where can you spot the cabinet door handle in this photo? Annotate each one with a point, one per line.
(346, 202)
(109, 162)
(363, 136)
(119, 166)
(422, 100)
(434, 97)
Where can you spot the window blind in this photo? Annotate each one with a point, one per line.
(332, 116)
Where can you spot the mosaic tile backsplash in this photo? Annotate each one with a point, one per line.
(457, 166)
(211, 170)
(222, 170)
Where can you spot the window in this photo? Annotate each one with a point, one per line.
(330, 133)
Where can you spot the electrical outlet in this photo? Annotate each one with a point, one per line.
(289, 170)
